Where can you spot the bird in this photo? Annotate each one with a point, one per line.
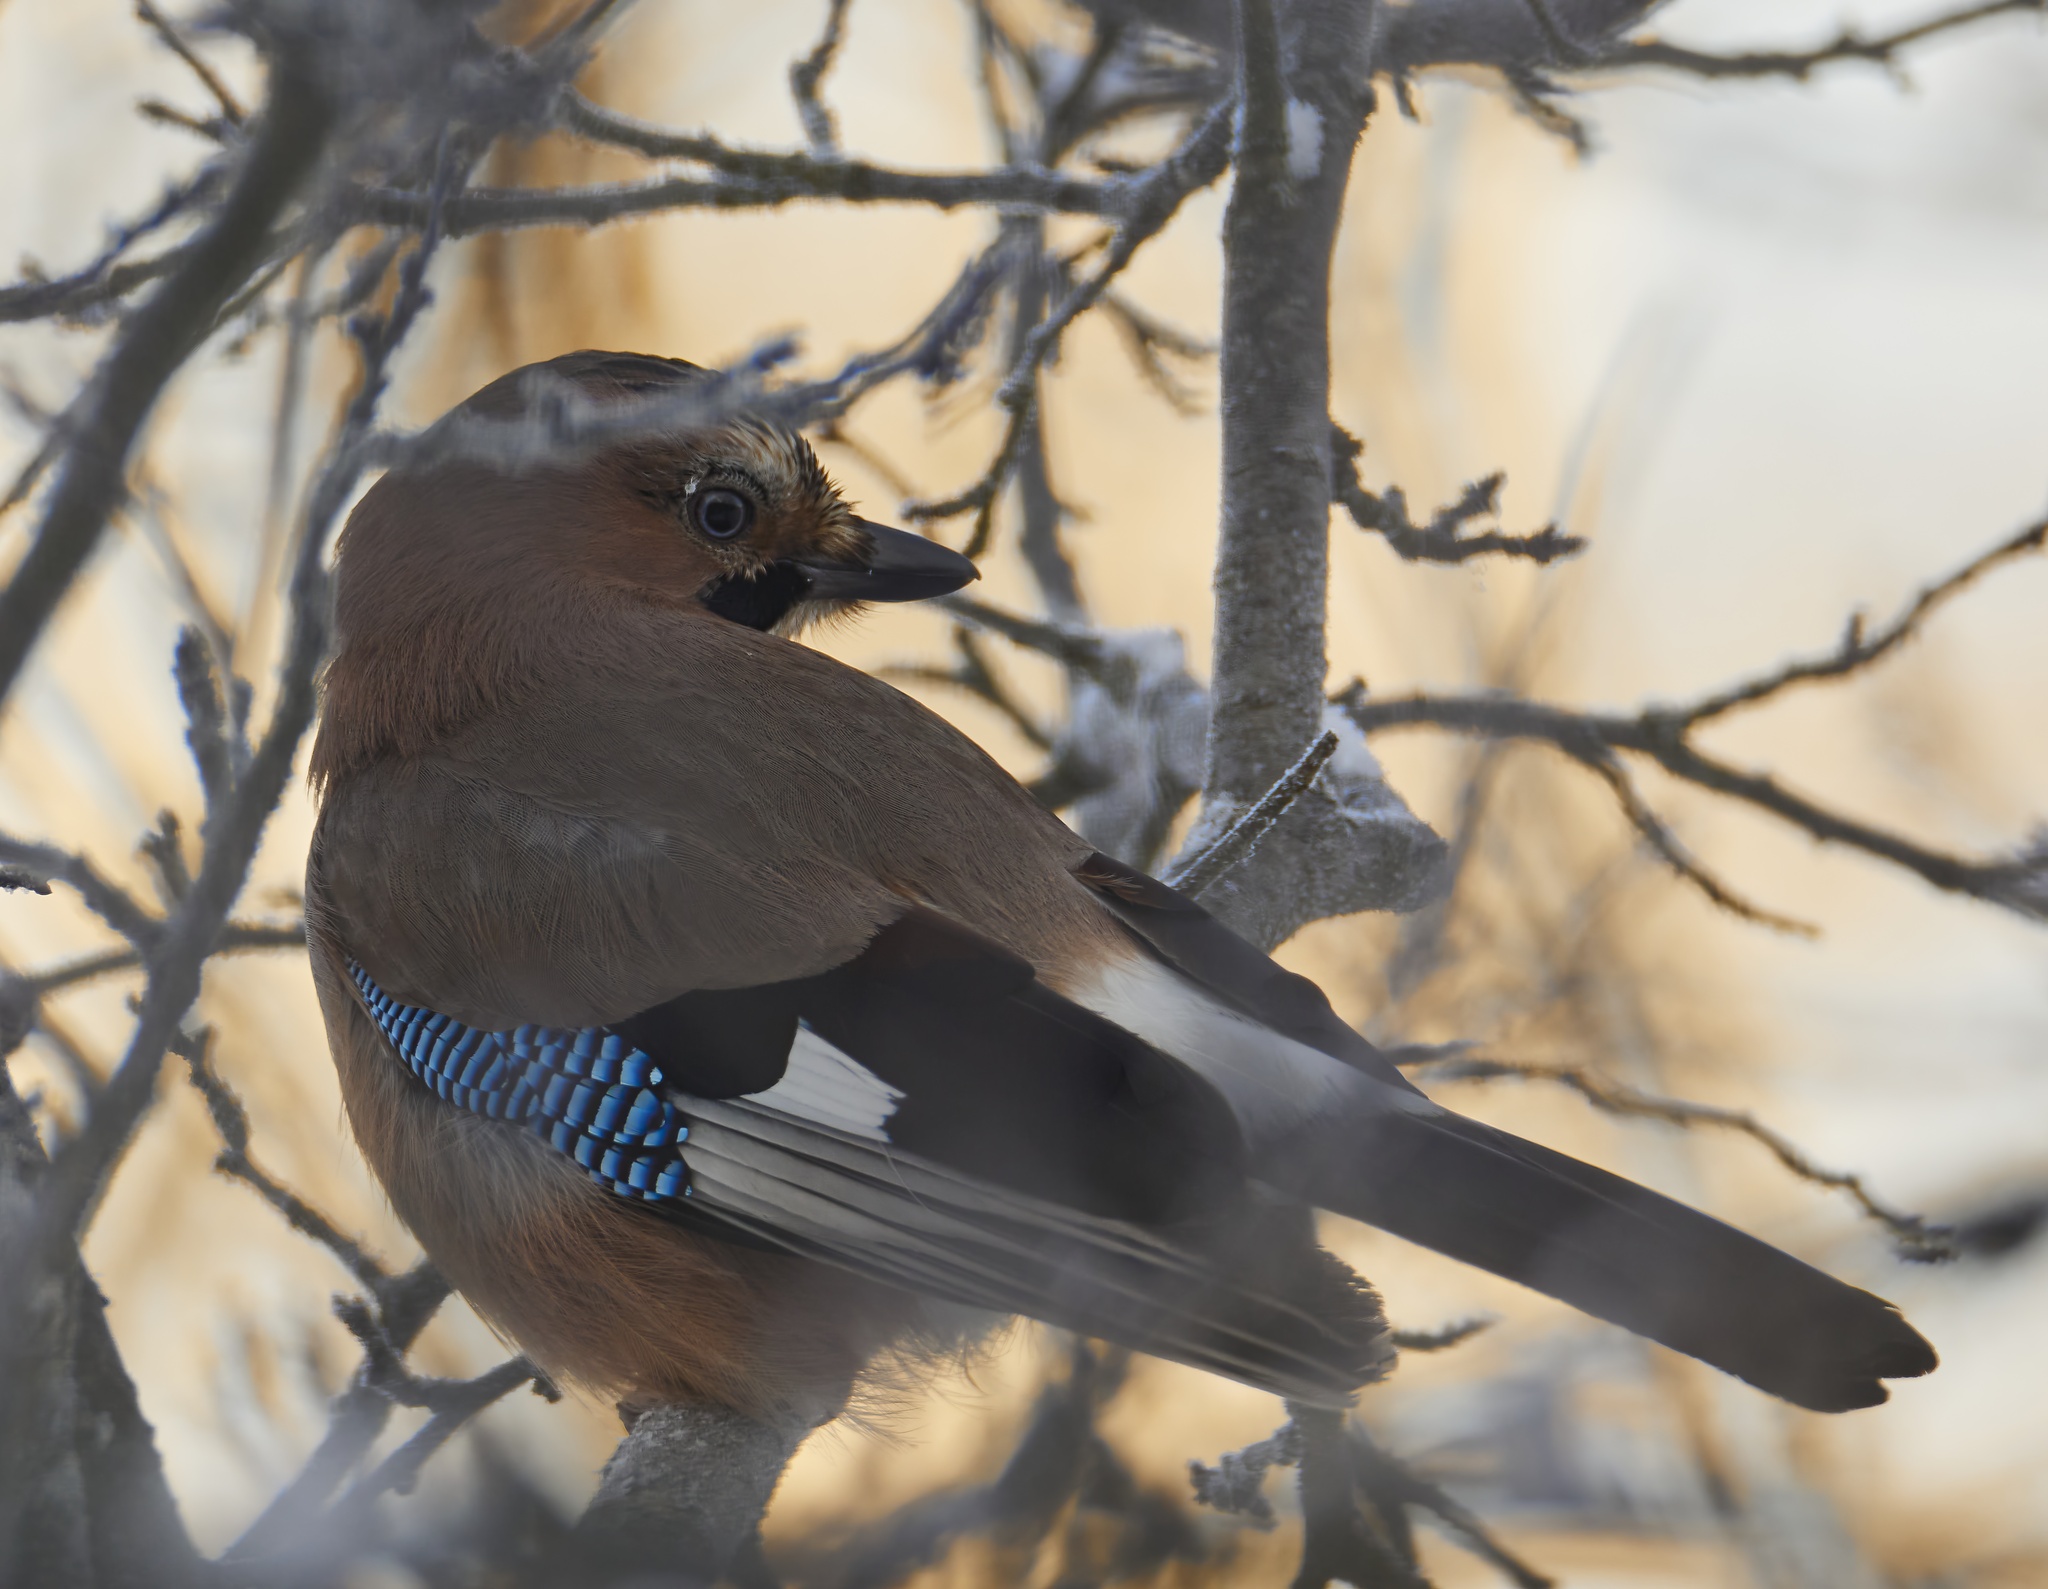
(733, 1031)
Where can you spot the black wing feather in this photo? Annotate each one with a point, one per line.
(1041, 1160)
(1201, 948)
(1002, 1078)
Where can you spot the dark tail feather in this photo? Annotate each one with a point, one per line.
(1625, 1254)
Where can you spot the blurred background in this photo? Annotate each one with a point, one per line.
(1776, 349)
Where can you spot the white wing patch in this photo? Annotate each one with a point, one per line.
(1274, 1083)
(829, 1087)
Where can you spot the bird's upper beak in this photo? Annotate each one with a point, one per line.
(900, 567)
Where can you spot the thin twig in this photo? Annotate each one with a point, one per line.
(757, 177)
(973, 674)
(1381, 1473)
(1155, 199)
(2018, 881)
(457, 1402)
(807, 73)
(230, 107)
(1442, 540)
(980, 498)
(563, 423)
(177, 954)
(1917, 1238)
(1235, 1483)
(1074, 649)
(1242, 836)
(155, 339)
(214, 129)
(1064, 121)
(1859, 649)
(231, 1120)
(1149, 340)
(195, 671)
(355, 1419)
(70, 296)
(1658, 835)
(164, 848)
(84, 290)
(114, 905)
(235, 938)
(1799, 65)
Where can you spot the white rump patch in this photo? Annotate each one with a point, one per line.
(829, 1087)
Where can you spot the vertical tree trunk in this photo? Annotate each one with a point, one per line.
(1304, 81)
(1299, 121)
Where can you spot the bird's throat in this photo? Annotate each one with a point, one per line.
(761, 602)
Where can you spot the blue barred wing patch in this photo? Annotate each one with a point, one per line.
(586, 1092)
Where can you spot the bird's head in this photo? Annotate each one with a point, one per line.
(455, 575)
(741, 517)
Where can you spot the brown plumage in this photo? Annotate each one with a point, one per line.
(527, 742)
(933, 1052)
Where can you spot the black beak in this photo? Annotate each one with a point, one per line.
(902, 567)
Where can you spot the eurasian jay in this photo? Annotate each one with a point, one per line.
(723, 1022)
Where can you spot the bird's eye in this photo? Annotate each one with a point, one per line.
(721, 514)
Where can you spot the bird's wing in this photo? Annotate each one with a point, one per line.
(715, 808)
(929, 1114)
(1209, 954)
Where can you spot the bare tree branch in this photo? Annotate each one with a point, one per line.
(1799, 65)
(230, 107)
(1042, 1477)
(157, 337)
(43, 864)
(1349, 844)
(973, 674)
(1442, 540)
(1075, 649)
(235, 937)
(1154, 199)
(207, 733)
(231, 1120)
(643, 1520)
(1656, 832)
(2018, 881)
(355, 1419)
(1155, 196)
(1236, 843)
(1859, 649)
(1395, 1486)
(806, 74)
(452, 1402)
(82, 1493)
(753, 178)
(90, 288)
(1337, 1544)
(174, 960)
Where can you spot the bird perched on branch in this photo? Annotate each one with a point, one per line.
(723, 1022)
